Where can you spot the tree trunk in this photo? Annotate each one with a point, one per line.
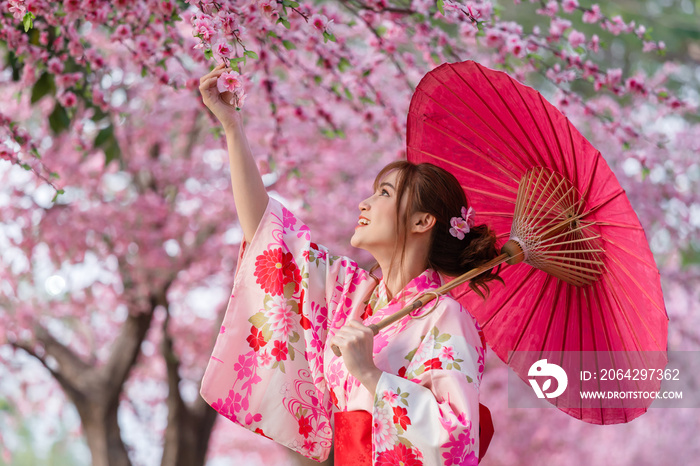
(189, 425)
(102, 433)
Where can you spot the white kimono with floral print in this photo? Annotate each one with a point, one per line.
(273, 372)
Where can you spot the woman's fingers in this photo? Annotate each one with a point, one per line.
(352, 332)
(209, 83)
(217, 71)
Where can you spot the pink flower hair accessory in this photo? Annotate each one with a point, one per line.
(462, 225)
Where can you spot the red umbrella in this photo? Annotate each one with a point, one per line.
(490, 131)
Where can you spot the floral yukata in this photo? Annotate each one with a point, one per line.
(272, 369)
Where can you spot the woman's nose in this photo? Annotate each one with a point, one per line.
(364, 205)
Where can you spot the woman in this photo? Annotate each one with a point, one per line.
(409, 394)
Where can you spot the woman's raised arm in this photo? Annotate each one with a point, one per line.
(249, 192)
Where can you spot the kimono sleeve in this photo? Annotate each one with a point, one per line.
(429, 413)
(266, 368)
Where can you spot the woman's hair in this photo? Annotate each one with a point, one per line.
(433, 190)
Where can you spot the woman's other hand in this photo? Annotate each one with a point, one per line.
(216, 101)
(356, 341)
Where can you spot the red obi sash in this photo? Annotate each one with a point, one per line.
(352, 442)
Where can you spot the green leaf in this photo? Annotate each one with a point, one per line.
(251, 54)
(271, 34)
(327, 36)
(441, 7)
(366, 100)
(288, 44)
(26, 166)
(208, 54)
(104, 135)
(44, 85)
(58, 193)
(381, 30)
(284, 22)
(645, 173)
(59, 120)
(294, 338)
(290, 350)
(28, 21)
(112, 152)
(343, 65)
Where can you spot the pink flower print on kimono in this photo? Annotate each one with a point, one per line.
(268, 366)
(273, 372)
(433, 402)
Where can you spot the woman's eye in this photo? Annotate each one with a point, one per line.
(385, 192)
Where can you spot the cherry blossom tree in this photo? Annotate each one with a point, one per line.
(119, 236)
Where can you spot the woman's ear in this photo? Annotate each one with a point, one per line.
(422, 222)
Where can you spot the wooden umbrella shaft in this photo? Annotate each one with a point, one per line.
(429, 296)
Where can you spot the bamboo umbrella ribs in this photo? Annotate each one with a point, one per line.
(591, 284)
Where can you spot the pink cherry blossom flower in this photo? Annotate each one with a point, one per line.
(55, 66)
(576, 38)
(515, 46)
(320, 22)
(269, 10)
(593, 15)
(614, 76)
(6, 153)
(557, 27)
(229, 82)
(68, 100)
(203, 28)
(550, 9)
(494, 39)
(569, 6)
(595, 43)
(122, 32)
(616, 25)
(459, 227)
(17, 8)
(223, 49)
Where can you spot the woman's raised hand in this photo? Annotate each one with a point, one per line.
(217, 101)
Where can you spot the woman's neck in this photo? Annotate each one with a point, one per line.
(398, 273)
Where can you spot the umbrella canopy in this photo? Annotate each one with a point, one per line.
(490, 131)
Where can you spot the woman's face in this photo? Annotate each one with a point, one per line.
(377, 230)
